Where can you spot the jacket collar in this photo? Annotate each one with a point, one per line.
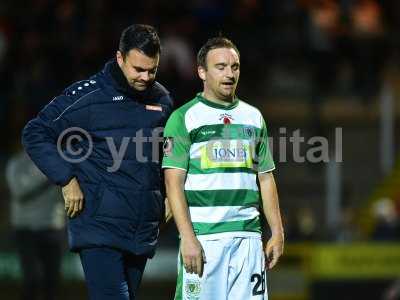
(121, 84)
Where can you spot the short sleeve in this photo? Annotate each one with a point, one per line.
(176, 143)
(265, 160)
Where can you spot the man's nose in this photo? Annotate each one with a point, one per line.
(229, 73)
(145, 76)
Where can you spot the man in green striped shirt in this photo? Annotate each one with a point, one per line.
(216, 147)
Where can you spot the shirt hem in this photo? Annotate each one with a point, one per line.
(173, 167)
(266, 171)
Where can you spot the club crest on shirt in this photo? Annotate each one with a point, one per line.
(193, 288)
(226, 118)
(168, 145)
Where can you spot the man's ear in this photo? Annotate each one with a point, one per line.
(120, 58)
(202, 73)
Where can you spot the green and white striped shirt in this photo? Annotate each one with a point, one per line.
(222, 148)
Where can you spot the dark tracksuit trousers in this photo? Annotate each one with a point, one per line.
(112, 274)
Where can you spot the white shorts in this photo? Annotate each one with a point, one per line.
(235, 269)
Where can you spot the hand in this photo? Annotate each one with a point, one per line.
(273, 250)
(193, 255)
(73, 198)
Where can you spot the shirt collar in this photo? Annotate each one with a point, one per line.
(230, 106)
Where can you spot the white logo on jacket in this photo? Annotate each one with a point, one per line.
(118, 98)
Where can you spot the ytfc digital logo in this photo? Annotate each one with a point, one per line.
(231, 147)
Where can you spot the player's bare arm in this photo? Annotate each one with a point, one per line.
(73, 198)
(168, 212)
(167, 215)
(191, 249)
(274, 247)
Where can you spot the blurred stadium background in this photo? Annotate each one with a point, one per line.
(312, 66)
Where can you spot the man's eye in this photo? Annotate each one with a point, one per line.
(220, 67)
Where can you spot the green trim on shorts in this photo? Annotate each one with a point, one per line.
(179, 281)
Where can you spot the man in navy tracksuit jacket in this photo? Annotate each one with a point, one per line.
(109, 173)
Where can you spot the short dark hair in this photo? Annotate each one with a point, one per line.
(141, 37)
(211, 44)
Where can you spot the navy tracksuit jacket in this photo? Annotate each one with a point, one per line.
(122, 209)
